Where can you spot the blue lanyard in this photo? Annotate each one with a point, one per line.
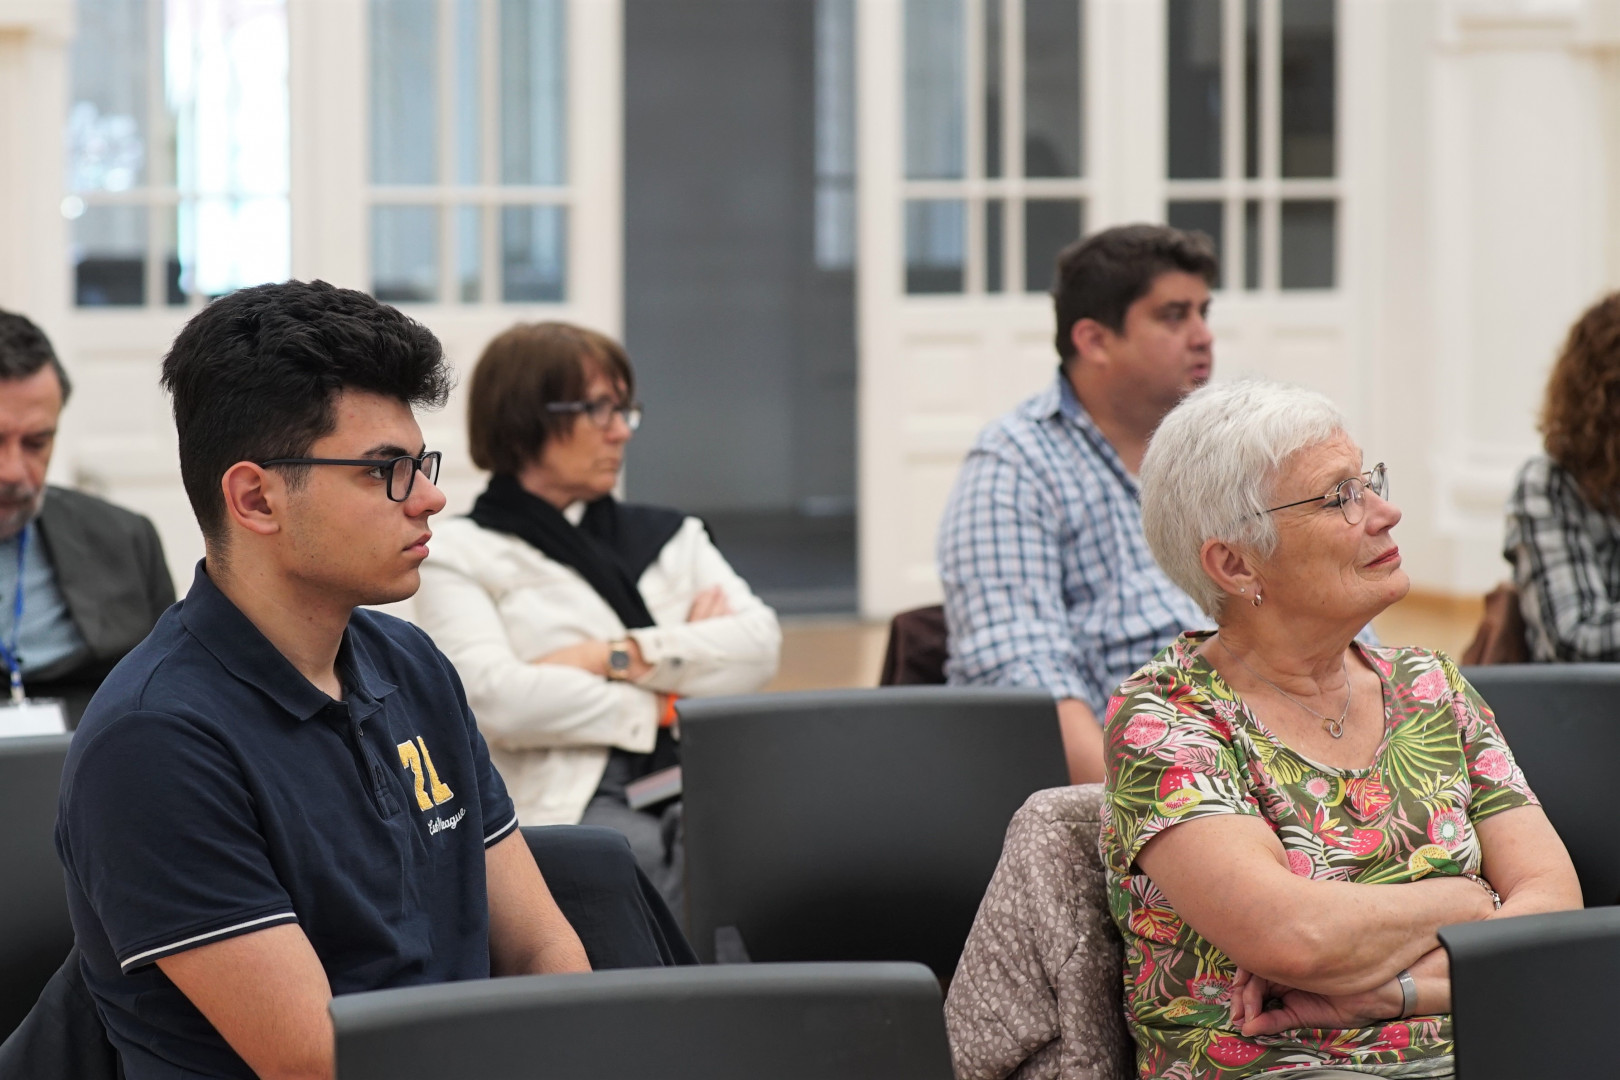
(9, 652)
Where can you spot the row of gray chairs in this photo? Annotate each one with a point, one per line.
(862, 825)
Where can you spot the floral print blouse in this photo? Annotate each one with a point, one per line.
(1181, 744)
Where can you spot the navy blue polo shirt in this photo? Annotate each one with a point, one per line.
(211, 790)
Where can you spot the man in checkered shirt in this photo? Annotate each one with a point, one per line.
(1048, 579)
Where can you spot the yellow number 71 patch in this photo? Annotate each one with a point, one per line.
(417, 762)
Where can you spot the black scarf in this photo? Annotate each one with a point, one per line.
(611, 548)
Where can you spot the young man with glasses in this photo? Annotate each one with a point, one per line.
(278, 797)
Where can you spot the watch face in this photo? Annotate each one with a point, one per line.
(619, 659)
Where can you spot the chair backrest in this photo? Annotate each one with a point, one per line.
(739, 1022)
(1530, 996)
(917, 650)
(855, 824)
(1561, 722)
(38, 932)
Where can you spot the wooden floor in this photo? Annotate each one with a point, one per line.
(830, 653)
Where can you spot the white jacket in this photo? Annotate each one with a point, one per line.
(495, 604)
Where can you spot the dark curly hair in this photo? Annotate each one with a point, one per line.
(255, 374)
(24, 349)
(1580, 418)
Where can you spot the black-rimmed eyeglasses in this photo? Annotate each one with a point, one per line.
(1348, 495)
(398, 472)
(601, 412)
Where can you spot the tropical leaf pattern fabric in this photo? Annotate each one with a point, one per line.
(1180, 744)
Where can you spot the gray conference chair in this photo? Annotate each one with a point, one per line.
(1563, 723)
(854, 824)
(783, 1021)
(38, 933)
(1530, 996)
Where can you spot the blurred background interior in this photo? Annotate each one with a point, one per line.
(824, 229)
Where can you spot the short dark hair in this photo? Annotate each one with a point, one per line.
(1100, 276)
(24, 349)
(522, 370)
(254, 375)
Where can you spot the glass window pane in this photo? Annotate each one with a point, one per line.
(993, 17)
(936, 91)
(470, 253)
(1194, 60)
(174, 288)
(835, 224)
(534, 254)
(1309, 228)
(1309, 73)
(405, 254)
(994, 246)
(1251, 244)
(107, 120)
(534, 45)
(469, 96)
(835, 134)
(109, 256)
(1052, 88)
(404, 92)
(230, 243)
(1050, 225)
(1207, 217)
(935, 230)
(1251, 87)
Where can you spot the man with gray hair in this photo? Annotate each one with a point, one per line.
(1048, 580)
(81, 581)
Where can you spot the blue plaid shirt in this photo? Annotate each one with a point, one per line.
(1048, 579)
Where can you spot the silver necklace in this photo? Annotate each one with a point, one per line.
(1333, 727)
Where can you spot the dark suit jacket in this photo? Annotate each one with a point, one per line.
(110, 569)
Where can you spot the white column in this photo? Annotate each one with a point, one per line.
(34, 37)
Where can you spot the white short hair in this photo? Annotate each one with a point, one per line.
(1210, 469)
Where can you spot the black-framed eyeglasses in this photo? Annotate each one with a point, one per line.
(601, 411)
(398, 472)
(1347, 495)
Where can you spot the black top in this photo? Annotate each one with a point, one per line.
(211, 790)
(611, 547)
(111, 571)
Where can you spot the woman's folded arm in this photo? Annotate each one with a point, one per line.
(1227, 876)
(519, 704)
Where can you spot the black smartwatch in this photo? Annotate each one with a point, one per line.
(618, 662)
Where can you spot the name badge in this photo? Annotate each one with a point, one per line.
(32, 716)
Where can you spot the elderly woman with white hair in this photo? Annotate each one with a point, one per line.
(1291, 815)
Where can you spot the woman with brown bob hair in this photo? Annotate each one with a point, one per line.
(1563, 520)
(575, 620)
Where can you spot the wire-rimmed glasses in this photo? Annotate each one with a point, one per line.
(398, 472)
(1348, 495)
(601, 411)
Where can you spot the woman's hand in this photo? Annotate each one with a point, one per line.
(1290, 1008)
(711, 603)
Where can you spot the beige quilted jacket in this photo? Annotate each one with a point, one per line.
(1038, 994)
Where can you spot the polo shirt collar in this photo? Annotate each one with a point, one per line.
(230, 636)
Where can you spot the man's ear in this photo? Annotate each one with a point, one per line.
(1091, 340)
(1229, 569)
(255, 497)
